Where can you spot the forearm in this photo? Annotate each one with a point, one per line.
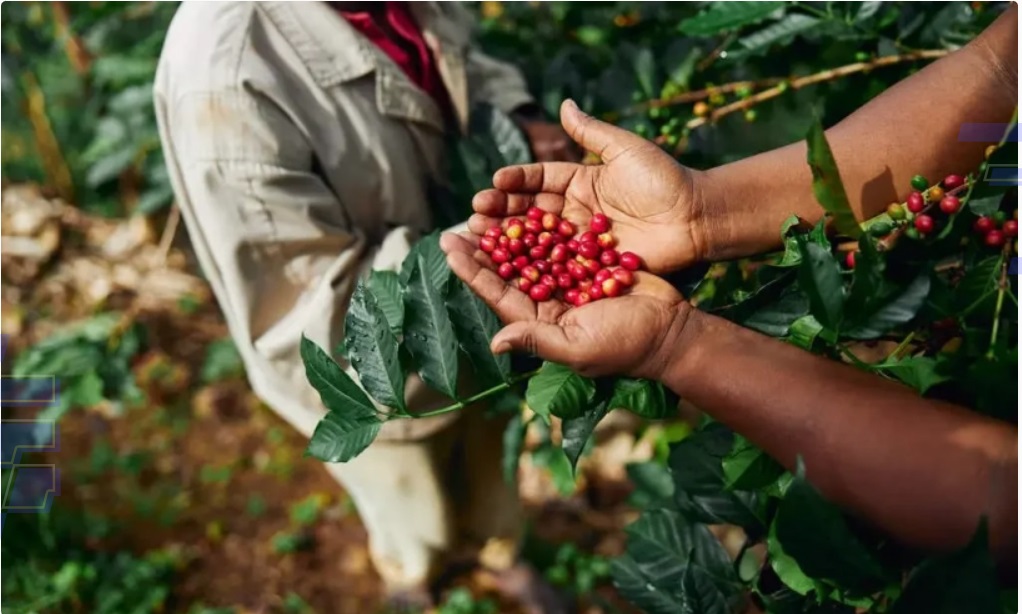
(924, 471)
(912, 128)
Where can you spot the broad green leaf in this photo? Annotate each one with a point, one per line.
(86, 391)
(633, 585)
(813, 532)
(899, 310)
(386, 288)
(154, 199)
(652, 484)
(803, 332)
(559, 391)
(820, 278)
(645, 69)
(427, 249)
(987, 205)
(963, 581)
(429, 334)
(340, 437)
(494, 130)
(827, 185)
(700, 593)
(557, 463)
(222, 361)
(372, 349)
(339, 393)
(919, 372)
(514, 442)
(779, 32)
(785, 567)
(979, 280)
(641, 396)
(746, 467)
(867, 10)
(110, 166)
(776, 318)
(721, 16)
(475, 326)
(664, 542)
(867, 279)
(791, 229)
(576, 431)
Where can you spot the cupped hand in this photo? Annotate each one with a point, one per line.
(652, 200)
(634, 334)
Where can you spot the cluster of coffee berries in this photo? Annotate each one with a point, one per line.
(542, 255)
(922, 203)
(996, 229)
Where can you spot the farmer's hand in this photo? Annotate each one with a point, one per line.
(651, 200)
(636, 334)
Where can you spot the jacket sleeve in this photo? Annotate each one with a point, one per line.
(274, 242)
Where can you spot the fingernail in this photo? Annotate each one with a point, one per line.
(501, 347)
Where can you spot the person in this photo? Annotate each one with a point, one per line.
(962, 465)
(303, 141)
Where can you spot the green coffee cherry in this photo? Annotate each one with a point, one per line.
(920, 183)
(912, 233)
(750, 115)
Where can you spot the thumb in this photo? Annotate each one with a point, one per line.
(601, 138)
(542, 339)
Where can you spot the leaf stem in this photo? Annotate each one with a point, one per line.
(901, 346)
(476, 397)
(1001, 287)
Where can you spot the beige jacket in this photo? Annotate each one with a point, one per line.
(300, 156)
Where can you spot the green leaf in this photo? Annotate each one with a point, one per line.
(722, 16)
(803, 332)
(964, 581)
(514, 443)
(827, 185)
(815, 534)
(919, 372)
(699, 593)
(987, 205)
(899, 310)
(575, 432)
(867, 279)
(781, 31)
(643, 397)
(820, 278)
(110, 167)
(372, 349)
(557, 463)
(386, 288)
(664, 542)
(222, 361)
(785, 567)
(645, 69)
(429, 334)
(475, 325)
(427, 249)
(496, 132)
(747, 467)
(339, 393)
(154, 199)
(559, 391)
(633, 585)
(775, 319)
(340, 437)
(87, 390)
(652, 483)
(979, 280)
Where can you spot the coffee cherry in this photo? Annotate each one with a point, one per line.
(493, 232)
(994, 238)
(950, 205)
(551, 221)
(850, 260)
(583, 299)
(912, 233)
(587, 237)
(600, 223)
(605, 240)
(952, 182)
(895, 211)
(592, 266)
(557, 269)
(608, 257)
(540, 293)
(520, 262)
(516, 246)
(533, 226)
(546, 239)
(503, 241)
(924, 223)
(514, 232)
(566, 229)
(565, 281)
(611, 287)
(934, 194)
(571, 296)
(1010, 228)
(596, 292)
(488, 244)
(984, 225)
(506, 271)
(500, 255)
(920, 183)
(602, 275)
(531, 273)
(549, 281)
(999, 217)
(559, 253)
(625, 277)
(630, 261)
(535, 213)
(915, 202)
(543, 266)
(573, 246)
(577, 271)
(700, 109)
(589, 250)
(530, 239)
(523, 284)
(538, 253)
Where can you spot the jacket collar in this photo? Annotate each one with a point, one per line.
(335, 54)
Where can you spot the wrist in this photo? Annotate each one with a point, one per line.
(669, 360)
(712, 223)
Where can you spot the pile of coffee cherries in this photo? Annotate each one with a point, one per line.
(543, 256)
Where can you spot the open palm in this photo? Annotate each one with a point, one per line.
(647, 195)
(619, 336)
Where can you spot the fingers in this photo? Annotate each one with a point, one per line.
(601, 138)
(495, 203)
(508, 303)
(548, 341)
(552, 177)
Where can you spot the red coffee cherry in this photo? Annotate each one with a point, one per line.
(523, 284)
(915, 202)
(535, 213)
(533, 226)
(850, 260)
(994, 238)
(488, 244)
(1010, 228)
(566, 229)
(571, 296)
(630, 261)
(602, 275)
(548, 280)
(503, 241)
(560, 253)
(589, 250)
(565, 281)
(573, 246)
(585, 285)
(984, 225)
(558, 268)
(587, 237)
(530, 239)
(516, 246)
(609, 257)
(547, 239)
(520, 262)
(952, 182)
(583, 299)
(605, 240)
(537, 253)
(624, 276)
(543, 266)
(500, 255)
(531, 273)
(592, 266)
(540, 293)
(599, 223)
(924, 223)
(596, 292)
(551, 221)
(493, 232)
(611, 287)
(950, 205)
(506, 271)
(576, 270)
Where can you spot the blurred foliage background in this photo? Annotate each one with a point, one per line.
(712, 82)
